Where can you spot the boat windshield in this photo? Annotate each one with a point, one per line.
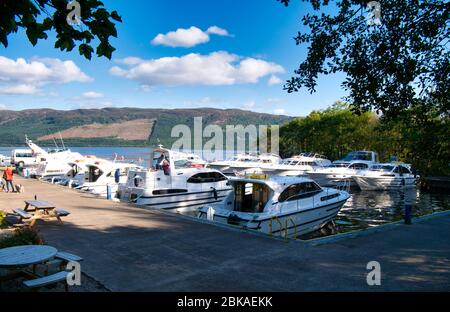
(386, 168)
(358, 156)
(340, 165)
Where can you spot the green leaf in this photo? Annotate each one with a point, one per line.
(86, 51)
(115, 16)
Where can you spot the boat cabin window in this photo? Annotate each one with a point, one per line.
(299, 191)
(250, 197)
(74, 171)
(386, 168)
(207, 177)
(94, 174)
(169, 191)
(401, 170)
(340, 165)
(358, 166)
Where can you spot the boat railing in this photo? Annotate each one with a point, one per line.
(277, 220)
(344, 186)
(288, 221)
(283, 230)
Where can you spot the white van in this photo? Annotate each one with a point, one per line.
(4, 161)
(23, 157)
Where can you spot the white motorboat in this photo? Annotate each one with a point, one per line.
(52, 165)
(79, 171)
(104, 176)
(342, 171)
(179, 186)
(385, 176)
(297, 165)
(278, 205)
(244, 164)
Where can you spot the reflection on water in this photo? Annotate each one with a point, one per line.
(365, 209)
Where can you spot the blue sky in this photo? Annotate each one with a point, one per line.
(240, 63)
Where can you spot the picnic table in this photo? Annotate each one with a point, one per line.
(38, 205)
(24, 256)
(42, 210)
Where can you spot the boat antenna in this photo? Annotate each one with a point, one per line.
(53, 138)
(62, 141)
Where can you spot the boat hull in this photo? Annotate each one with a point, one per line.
(178, 202)
(384, 183)
(294, 223)
(332, 179)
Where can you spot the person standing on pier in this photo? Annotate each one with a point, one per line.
(9, 177)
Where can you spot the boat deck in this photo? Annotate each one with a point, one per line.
(132, 249)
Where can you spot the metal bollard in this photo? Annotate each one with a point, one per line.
(408, 213)
(108, 192)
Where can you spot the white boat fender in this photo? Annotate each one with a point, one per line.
(210, 213)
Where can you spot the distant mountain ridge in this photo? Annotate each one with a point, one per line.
(108, 126)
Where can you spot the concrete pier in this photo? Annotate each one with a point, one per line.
(127, 248)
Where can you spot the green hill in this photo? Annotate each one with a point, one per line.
(40, 123)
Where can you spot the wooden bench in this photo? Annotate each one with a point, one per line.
(61, 259)
(61, 212)
(68, 257)
(22, 214)
(48, 280)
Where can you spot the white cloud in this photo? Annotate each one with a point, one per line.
(188, 38)
(273, 100)
(250, 104)
(92, 95)
(218, 31)
(93, 105)
(2, 106)
(19, 89)
(217, 68)
(274, 80)
(25, 77)
(279, 111)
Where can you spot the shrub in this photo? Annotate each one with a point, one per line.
(24, 236)
(2, 219)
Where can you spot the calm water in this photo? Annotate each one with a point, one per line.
(362, 210)
(371, 208)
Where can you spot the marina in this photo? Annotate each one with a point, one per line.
(221, 155)
(363, 192)
(129, 248)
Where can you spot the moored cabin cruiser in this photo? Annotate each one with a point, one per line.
(385, 176)
(76, 176)
(228, 165)
(104, 175)
(52, 165)
(297, 165)
(244, 164)
(342, 171)
(277, 205)
(171, 184)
